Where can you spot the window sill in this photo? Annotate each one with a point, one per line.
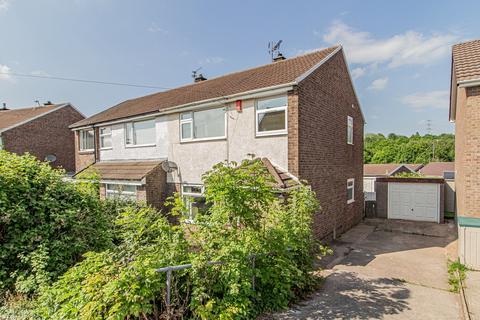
(351, 144)
(103, 149)
(203, 140)
(350, 201)
(141, 145)
(86, 151)
(270, 134)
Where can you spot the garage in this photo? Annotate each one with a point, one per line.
(414, 201)
(410, 198)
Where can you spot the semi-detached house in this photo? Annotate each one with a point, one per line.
(301, 115)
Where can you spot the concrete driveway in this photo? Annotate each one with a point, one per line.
(386, 269)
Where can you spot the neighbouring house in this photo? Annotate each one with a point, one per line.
(300, 115)
(445, 170)
(372, 171)
(465, 112)
(42, 131)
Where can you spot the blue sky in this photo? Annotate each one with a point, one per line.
(398, 51)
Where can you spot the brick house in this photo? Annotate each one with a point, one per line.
(465, 112)
(42, 131)
(301, 115)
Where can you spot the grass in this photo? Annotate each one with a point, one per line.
(449, 215)
(456, 272)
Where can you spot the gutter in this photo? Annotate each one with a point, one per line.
(468, 83)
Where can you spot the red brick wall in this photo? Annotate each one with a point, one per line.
(325, 160)
(157, 190)
(85, 158)
(467, 152)
(46, 135)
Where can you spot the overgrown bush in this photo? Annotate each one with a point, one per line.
(46, 223)
(262, 241)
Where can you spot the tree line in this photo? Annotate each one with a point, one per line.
(393, 148)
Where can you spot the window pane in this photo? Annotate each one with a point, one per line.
(186, 116)
(349, 193)
(209, 123)
(86, 140)
(106, 141)
(272, 103)
(186, 130)
(145, 132)
(192, 189)
(106, 130)
(129, 133)
(271, 121)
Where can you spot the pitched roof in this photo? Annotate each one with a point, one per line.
(283, 179)
(265, 76)
(466, 60)
(437, 168)
(385, 169)
(122, 170)
(10, 118)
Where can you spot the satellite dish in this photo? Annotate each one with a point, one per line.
(169, 166)
(51, 158)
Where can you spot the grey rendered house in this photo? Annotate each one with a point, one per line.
(301, 115)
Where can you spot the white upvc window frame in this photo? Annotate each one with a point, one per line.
(1, 143)
(349, 130)
(351, 185)
(263, 111)
(82, 135)
(191, 121)
(189, 215)
(104, 135)
(112, 193)
(134, 144)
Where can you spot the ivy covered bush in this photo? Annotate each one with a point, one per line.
(46, 223)
(260, 240)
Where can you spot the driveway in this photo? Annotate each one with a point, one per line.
(386, 269)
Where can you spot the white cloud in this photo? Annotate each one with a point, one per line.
(424, 100)
(3, 72)
(154, 28)
(358, 72)
(4, 4)
(410, 47)
(379, 84)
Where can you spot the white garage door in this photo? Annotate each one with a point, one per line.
(414, 201)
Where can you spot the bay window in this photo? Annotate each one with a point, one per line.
(106, 137)
(87, 142)
(140, 133)
(271, 116)
(203, 125)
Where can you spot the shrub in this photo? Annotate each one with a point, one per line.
(46, 223)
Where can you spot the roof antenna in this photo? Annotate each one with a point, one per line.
(274, 50)
(37, 102)
(194, 72)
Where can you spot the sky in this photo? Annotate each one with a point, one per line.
(399, 52)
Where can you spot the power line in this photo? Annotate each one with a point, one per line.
(83, 80)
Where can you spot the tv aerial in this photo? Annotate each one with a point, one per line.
(274, 48)
(195, 73)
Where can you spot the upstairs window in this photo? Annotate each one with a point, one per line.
(203, 125)
(349, 130)
(1, 143)
(271, 116)
(350, 190)
(106, 137)
(140, 133)
(87, 142)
